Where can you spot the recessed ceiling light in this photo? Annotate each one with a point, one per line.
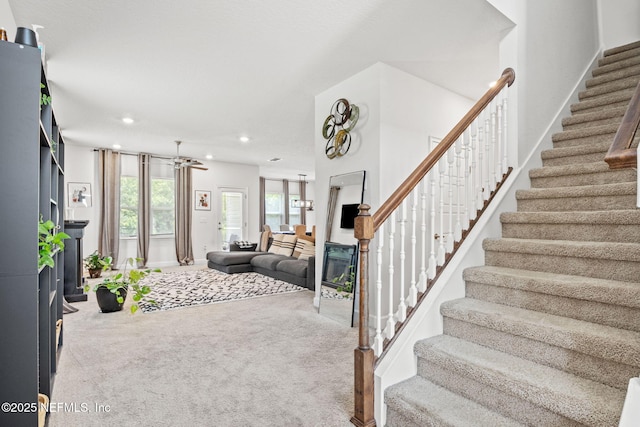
(208, 157)
(244, 139)
(275, 159)
(127, 120)
(117, 146)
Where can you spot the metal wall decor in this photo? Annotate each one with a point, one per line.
(341, 120)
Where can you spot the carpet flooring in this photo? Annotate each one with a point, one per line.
(190, 288)
(254, 362)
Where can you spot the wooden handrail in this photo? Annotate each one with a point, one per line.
(620, 154)
(365, 227)
(392, 203)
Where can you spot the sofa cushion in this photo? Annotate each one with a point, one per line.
(232, 258)
(268, 261)
(295, 267)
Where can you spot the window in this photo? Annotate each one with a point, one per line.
(274, 210)
(128, 206)
(162, 206)
(162, 197)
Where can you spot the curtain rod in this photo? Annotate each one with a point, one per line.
(132, 153)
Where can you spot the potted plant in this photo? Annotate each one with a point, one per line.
(112, 291)
(96, 264)
(49, 242)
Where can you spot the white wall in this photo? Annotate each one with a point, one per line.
(80, 166)
(619, 22)
(398, 113)
(7, 20)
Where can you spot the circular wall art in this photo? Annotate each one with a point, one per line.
(341, 120)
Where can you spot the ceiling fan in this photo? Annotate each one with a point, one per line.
(184, 162)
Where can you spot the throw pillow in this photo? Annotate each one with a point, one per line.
(308, 250)
(263, 246)
(276, 245)
(288, 243)
(298, 248)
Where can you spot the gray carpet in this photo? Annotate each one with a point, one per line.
(258, 362)
(180, 289)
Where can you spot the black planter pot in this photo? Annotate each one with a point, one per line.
(108, 301)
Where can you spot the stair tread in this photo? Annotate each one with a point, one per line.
(581, 399)
(606, 342)
(620, 217)
(601, 147)
(442, 405)
(574, 169)
(623, 73)
(622, 48)
(585, 132)
(616, 66)
(624, 188)
(630, 52)
(626, 82)
(581, 287)
(603, 101)
(569, 248)
(594, 116)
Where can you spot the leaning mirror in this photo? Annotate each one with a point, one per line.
(340, 261)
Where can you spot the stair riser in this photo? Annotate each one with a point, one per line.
(612, 76)
(611, 59)
(572, 160)
(569, 204)
(490, 394)
(596, 178)
(595, 106)
(587, 140)
(625, 233)
(396, 419)
(627, 271)
(607, 372)
(608, 88)
(586, 125)
(615, 67)
(616, 316)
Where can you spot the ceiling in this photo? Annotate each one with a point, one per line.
(209, 71)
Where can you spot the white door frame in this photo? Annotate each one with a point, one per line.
(245, 214)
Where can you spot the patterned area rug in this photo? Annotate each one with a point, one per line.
(200, 287)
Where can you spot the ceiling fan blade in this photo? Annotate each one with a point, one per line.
(199, 167)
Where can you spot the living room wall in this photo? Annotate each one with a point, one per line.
(81, 167)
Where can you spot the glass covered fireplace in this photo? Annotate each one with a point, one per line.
(339, 265)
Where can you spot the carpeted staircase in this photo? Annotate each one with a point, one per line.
(549, 331)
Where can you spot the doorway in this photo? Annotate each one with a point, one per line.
(232, 215)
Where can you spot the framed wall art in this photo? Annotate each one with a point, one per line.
(79, 195)
(202, 200)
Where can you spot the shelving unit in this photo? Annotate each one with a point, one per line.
(32, 185)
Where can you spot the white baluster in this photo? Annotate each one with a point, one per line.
(402, 306)
(413, 290)
(494, 149)
(499, 139)
(457, 232)
(441, 248)
(450, 160)
(475, 173)
(505, 132)
(468, 179)
(378, 341)
(391, 323)
(488, 156)
(432, 253)
(422, 278)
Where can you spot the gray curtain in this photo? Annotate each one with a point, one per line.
(303, 196)
(263, 208)
(109, 193)
(144, 208)
(184, 247)
(331, 210)
(285, 187)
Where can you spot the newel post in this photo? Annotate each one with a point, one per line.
(364, 356)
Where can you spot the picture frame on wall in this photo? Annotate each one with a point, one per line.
(202, 200)
(79, 195)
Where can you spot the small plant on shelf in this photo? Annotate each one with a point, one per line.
(44, 98)
(96, 264)
(50, 241)
(112, 291)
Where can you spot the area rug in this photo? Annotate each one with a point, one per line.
(199, 287)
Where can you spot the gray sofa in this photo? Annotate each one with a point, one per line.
(300, 272)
